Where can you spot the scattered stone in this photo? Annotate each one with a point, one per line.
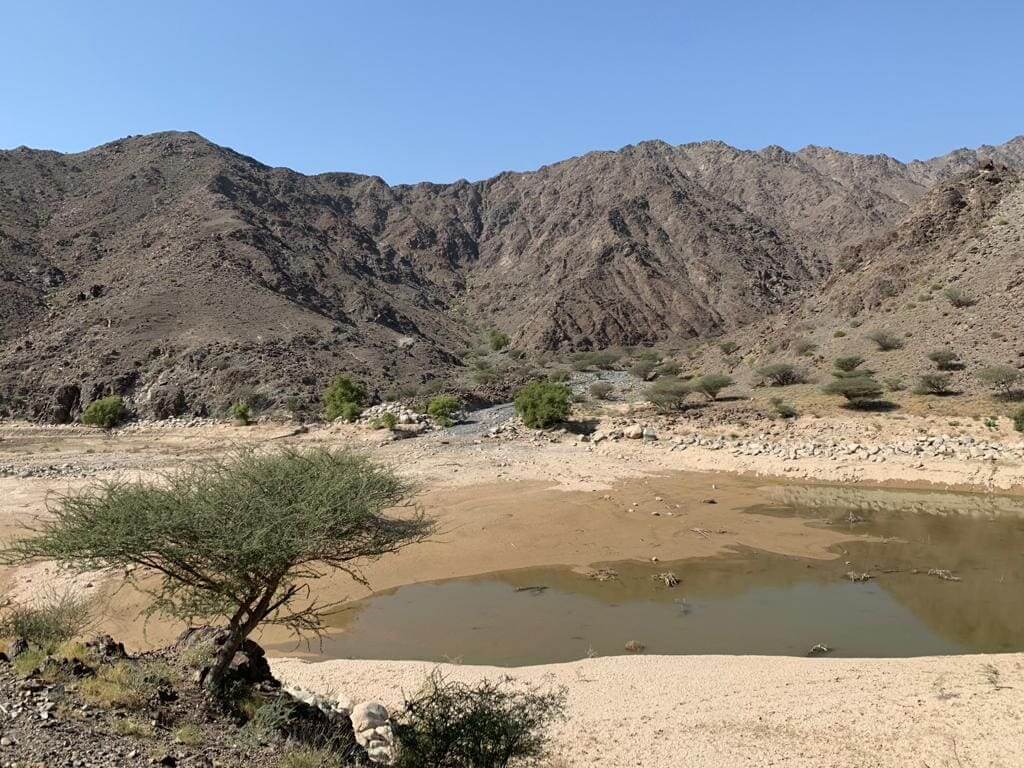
(669, 579)
(854, 576)
(818, 649)
(942, 573)
(633, 646)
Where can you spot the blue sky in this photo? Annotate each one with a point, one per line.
(441, 90)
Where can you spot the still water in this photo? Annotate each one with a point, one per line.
(745, 602)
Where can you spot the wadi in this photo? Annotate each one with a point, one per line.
(677, 455)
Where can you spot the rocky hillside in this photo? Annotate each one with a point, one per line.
(180, 273)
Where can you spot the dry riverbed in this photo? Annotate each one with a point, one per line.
(508, 498)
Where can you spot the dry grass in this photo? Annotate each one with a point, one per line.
(308, 758)
(125, 685)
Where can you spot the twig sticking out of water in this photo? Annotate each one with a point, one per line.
(854, 576)
(942, 573)
(535, 590)
(670, 579)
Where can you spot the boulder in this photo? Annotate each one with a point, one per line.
(633, 431)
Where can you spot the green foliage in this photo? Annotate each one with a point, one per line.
(642, 369)
(728, 347)
(344, 399)
(386, 420)
(711, 385)
(126, 684)
(668, 393)
(443, 408)
(601, 389)
(497, 340)
(886, 341)
(783, 409)
(849, 363)
(669, 368)
(838, 334)
(894, 384)
(240, 412)
(944, 359)
(559, 375)
(804, 346)
(543, 404)
(55, 619)
(107, 412)
(236, 539)
(1018, 419)
(1004, 379)
(858, 390)
(307, 757)
(934, 384)
(781, 374)
(485, 725)
(958, 297)
(604, 360)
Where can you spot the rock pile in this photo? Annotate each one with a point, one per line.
(370, 720)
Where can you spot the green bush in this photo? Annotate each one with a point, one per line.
(886, 341)
(604, 359)
(668, 393)
(386, 420)
(240, 412)
(443, 408)
(669, 368)
(781, 374)
(849, 363)
(783, 409)
(642, 369)
(728, 347)
(710, 385)
(1004, 379)
(57, 618)
(859, 391)
(542, 404)
(934, 384)
(344, 399)
(601, 389)
(498, 340)
(944, 359)
(559, 375)
(485, 725)
(1018, 419)
(958, 297)
(804, 346)
(107, 412)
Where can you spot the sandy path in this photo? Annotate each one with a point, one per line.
(718, 711)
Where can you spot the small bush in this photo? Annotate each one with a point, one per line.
(58, 618)
(542, 404)
(344, 399)
(604, 360)
(958, 297)
(669, 368)
(804, 346)
(728, 347)
(849, 363)
(781, 374)
(308, 757)
(668, 393)
(600, 390)
(933, 384)
(1004, 379)
(711, 385)
(894, 384)
(559, 375)
(783, 409)
(498, 340)
(443, 409)
(1018, 419)
(190, 734)
(945, 359)
(885, 340)
(642, 369)
(859, 391)
(125, 684)
(107, 412)
(386, 420)
(240, 412)
(486, 725)
(838, 334)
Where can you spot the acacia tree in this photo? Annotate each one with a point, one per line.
(237, 539)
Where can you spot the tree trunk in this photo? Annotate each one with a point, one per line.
(238, 630)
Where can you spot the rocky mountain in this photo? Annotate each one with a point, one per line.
(179, 272)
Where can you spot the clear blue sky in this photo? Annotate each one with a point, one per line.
(436, 90)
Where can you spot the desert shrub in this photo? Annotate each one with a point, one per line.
(604, 359)
(107, 412)
(894, 384)
(344, 399)
(647, 355)
(933, 384)
(944, 359)
(126, 684)
(240, 412)
(497, 340)
(601, 390)
(669, 368)
(297, 756)
(838, 334)
(958, 297)
(728, 347)
(189, 734)
(804, 346)
(1018, 419)
(1004, 379)
(668, 393)
(57, 618)
(542, 404)
(386, 420)
(783, 409)
(236, 539)
(559, 375)
(849, 363)
(485, 725)
(711, 385)
(859, 391)
(642, 369)
(781, 374)
(443, 409)
(886, 341)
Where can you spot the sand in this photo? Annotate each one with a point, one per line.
(724, 711)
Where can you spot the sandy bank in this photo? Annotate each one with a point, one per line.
(673, 711)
